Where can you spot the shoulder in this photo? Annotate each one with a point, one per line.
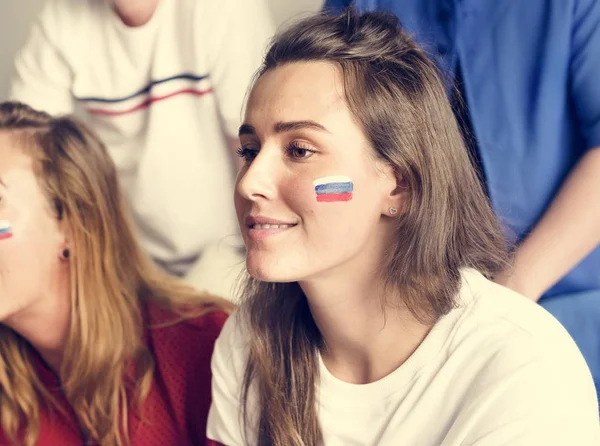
(215, 13)
(68, 12)
(193, 328)
(228, 368)
(509, 334)
(523, 368)
(486, 303)
(62, 21)
(230, 5)
(495, 315)
(235, 333)
(232, 348)
(183, 348)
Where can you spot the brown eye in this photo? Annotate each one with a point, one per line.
(247, 153)
(297, 151)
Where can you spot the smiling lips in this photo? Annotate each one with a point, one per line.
(259, 228)
(271, 226)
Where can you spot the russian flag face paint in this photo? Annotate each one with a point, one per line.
(5, 229)
(334, 188)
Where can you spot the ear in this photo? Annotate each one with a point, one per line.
(65, 248)
(396, 191)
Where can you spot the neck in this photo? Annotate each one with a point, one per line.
(367, 332)
(134, 13)
(45, 325)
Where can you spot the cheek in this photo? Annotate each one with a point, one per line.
(340, 213)
(341, 222)
(19, 268)
(27, 251)
(333, 189)
(240, 205)
(10, 239)
(323, 194)
(26, 266)
(6, 231)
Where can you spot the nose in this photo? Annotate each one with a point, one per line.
(257, 179)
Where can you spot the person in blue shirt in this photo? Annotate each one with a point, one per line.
(529, 74)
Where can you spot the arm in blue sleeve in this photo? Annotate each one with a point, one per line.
(585, 69)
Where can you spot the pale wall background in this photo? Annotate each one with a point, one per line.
(17, 16)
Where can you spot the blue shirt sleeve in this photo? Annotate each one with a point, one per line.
(585, 69)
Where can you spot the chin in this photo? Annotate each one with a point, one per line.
(273, 273)
(6, 314)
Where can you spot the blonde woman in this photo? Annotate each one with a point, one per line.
(96, 346)
(370, 318)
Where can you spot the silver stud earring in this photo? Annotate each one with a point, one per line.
(393, 211)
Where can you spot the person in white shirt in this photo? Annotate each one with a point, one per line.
(370, 317)
(162, 82)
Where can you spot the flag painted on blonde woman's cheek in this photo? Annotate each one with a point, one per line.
(5, 229)
(333, 188)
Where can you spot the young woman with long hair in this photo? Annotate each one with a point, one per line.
(371, 316)
(96, 345)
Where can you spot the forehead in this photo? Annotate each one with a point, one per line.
(16, 166)
(299, 90)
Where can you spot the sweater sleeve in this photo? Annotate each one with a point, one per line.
(41, 77)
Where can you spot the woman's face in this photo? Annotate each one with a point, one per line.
(311, 198)
(31, 239)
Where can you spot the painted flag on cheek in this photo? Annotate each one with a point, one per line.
(333, 188)
(5, 229)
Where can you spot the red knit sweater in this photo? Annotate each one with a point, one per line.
(176, 409)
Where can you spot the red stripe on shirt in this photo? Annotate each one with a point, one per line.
(147, 102)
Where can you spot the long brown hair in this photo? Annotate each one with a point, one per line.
(396, 94)
(109, 278)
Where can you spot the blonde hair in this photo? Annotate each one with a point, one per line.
(395, 93)
(110, 277)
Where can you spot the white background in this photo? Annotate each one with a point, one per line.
(17, 16)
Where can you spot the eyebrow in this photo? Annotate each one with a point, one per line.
(281, 127)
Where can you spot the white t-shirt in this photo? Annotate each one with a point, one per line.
(161, 96)
(497, 370)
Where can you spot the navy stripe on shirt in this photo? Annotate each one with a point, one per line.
(146, 89)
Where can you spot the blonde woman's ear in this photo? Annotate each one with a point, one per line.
(64, 255)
